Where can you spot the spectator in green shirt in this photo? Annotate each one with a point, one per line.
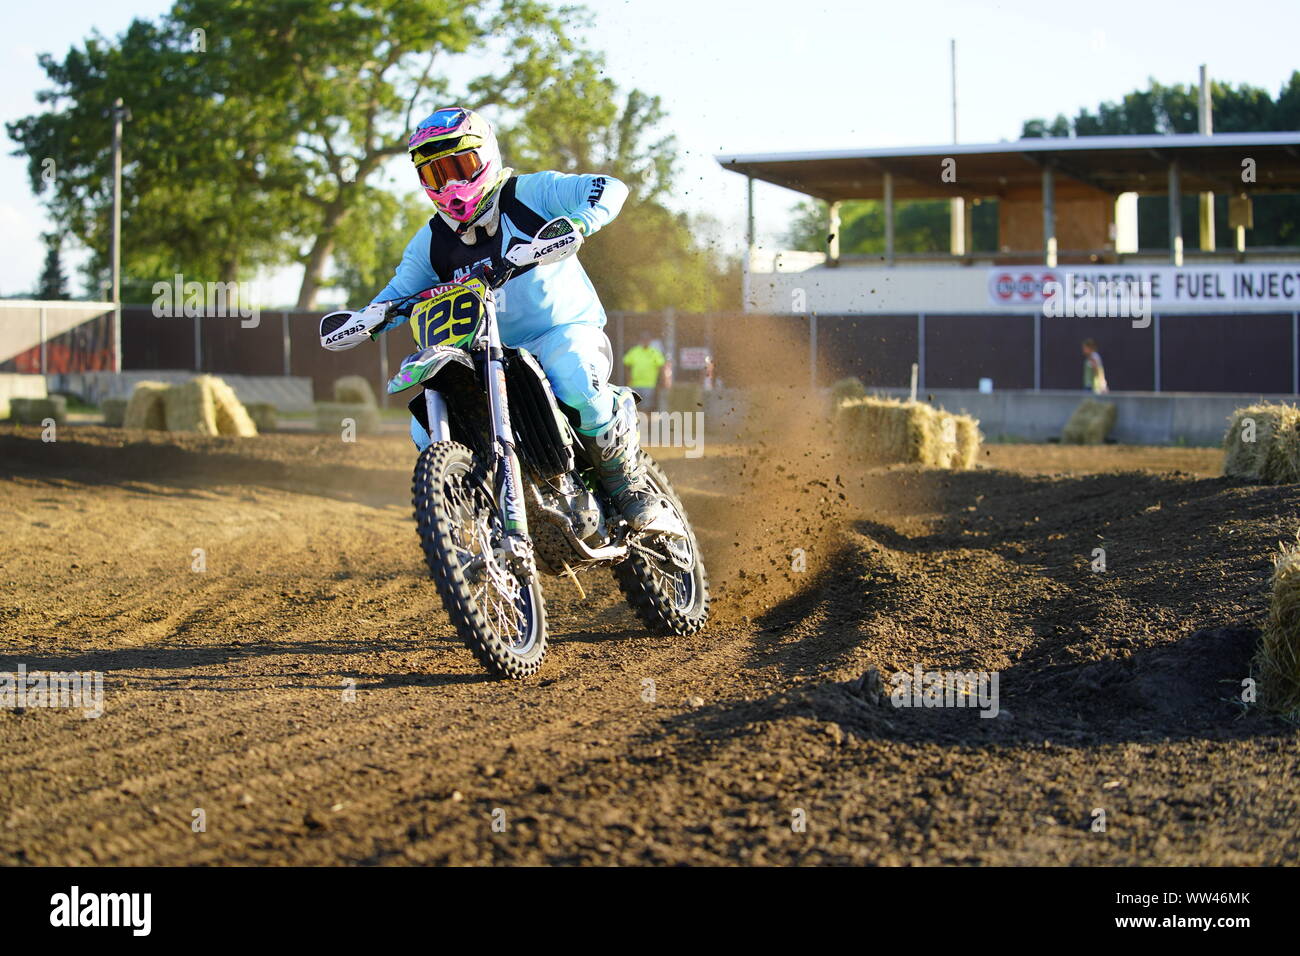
(644, 363)
(1094, 373)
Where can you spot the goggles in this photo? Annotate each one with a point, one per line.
(456, 167)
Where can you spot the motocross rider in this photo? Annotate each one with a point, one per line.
(552, 310)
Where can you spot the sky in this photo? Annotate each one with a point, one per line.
(770, 75)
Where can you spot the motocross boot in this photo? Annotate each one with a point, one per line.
(616, 453)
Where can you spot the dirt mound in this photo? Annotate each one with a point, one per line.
(315, 463)
(771, 509)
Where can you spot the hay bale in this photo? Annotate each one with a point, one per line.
(145, 408)
(968, 442)
(1277, 661)
(331, 415)
(114, 410)
(206, 406)
(19, 385)
(1090, 423)
(887, 431)
(354, 390)
(264, 415)
(232, 418)
(876, 429)
(189, 407)
(34, 411)
(1262, 443)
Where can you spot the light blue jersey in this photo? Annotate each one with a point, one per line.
(542, 298)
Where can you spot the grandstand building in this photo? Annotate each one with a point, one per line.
(1225, 313)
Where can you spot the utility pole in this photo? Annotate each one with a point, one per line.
(119, 113)
(956, 207)
(1205, 126)
(952, 56)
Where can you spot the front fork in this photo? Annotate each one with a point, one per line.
(509, 487)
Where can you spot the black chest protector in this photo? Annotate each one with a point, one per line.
(451, 258)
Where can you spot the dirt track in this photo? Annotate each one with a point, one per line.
(225, 687)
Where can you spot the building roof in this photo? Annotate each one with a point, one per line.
(1083, 164)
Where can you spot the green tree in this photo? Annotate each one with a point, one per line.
(650, 257)
(258, 126)
(1161, 109)
(349, 81)
(920, 226)
(372, 239)
(193, 163)
(53, 283)
(1038, 128)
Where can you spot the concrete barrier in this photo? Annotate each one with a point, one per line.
(286, 393)
(1144, 418)
(16, 385)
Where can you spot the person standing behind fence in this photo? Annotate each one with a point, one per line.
(644, 363)
(1094, 373)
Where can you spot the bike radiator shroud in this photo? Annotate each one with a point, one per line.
(541, 431)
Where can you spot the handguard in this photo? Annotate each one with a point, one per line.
(344, 330)
(556, 240)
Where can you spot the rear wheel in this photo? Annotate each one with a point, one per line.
(663, 578)
(499, 614)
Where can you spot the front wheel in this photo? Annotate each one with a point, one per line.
(498, 614)
(663, 578)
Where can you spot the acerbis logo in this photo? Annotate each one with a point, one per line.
(337, 336)
(552, 247)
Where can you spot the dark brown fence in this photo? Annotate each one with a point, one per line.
(1243, 352)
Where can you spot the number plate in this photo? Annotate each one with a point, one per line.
(449, 317)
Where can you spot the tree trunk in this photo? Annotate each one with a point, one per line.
(320, 251)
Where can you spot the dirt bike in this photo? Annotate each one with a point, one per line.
(505, 491)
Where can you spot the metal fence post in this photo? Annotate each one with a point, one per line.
(670, 338)
(286, 348)
(198, 343)
(1038, 351)
(45, 367)
(1155, 351)
(920, 350)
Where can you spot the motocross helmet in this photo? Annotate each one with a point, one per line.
(459, 164)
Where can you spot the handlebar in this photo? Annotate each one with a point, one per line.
(559, 239)
(483, 272)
